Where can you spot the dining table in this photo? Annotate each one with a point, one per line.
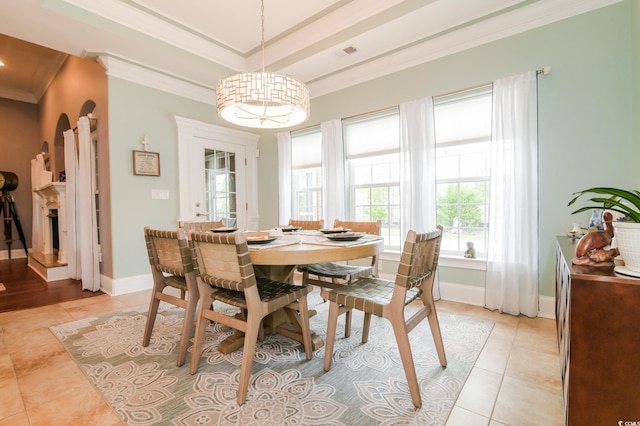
(277, 256)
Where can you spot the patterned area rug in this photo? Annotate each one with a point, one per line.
(366, 384)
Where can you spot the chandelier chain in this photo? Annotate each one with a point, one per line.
(262, 33)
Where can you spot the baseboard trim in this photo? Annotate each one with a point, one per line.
(472, 295)
(126, 285)
(15, 254)
(453, 292)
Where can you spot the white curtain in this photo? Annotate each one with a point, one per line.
(418, 169)
(284, 177)
(86, 222)
(71, 173)
(86, 209)
(36, 222)
(332, 172)
(512, 251)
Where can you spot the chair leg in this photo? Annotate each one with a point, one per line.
(151, 319)
(249, 349)
(434, 324)
(332, 325)
(404, 347)
(187, 328)
(365, 327)
(347, 323)
(206, 302)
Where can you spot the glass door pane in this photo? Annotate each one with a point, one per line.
(220, 186)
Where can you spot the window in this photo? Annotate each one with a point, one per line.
(463, 143)
(372, 150)
(306, 175)
(373, 165)
(220, 184)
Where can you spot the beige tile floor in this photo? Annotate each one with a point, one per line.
(514, 382)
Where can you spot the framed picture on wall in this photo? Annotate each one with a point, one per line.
(146, 163)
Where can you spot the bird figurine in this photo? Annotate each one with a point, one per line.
(597, 239)
(590, 249)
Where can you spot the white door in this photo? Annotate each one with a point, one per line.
(218, 181)
(217, 174)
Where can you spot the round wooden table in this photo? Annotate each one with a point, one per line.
(279, 263)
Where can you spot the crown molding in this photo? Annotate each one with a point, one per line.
(156, 79)
(126, 15)
(18, 95)
(484, 32)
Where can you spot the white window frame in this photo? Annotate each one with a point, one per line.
(386, 228)
(484, 179)
(311, 191)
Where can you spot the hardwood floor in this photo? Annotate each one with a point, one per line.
(26, 289)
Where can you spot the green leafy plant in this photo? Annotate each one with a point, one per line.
(618, 200)
(460, 202)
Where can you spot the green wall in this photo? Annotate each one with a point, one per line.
(135, 110)
(586, 129)
(635, 16)
(585, 120)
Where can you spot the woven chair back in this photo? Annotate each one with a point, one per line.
(419, 259)
(222, 260)
(201, 226)
(168, 251)
(307, 225)
(372, 228)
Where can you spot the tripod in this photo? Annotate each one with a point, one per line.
(10, 214)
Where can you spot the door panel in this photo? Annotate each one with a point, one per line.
(216, 191)
(232, 170)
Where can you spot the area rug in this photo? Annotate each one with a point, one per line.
(365, 386)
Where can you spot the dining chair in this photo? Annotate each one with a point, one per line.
(331, 275)
(202, 226)
(171, 267)
(387, 299)
(307, 225)
(222, 263)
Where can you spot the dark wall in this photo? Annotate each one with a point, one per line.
(19, 143)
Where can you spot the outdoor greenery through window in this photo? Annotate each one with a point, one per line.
(372, 171)
(306, 175)
(463, 143)
(372, 150)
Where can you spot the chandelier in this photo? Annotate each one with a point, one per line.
(262, 99)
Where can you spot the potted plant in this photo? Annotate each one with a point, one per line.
(627, 230)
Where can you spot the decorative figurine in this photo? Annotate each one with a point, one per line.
(144, 142)
(595, 222)
(471, 252)
(590, 249)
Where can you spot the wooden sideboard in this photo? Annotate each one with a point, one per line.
(598, 321)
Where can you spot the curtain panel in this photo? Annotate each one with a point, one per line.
(82, 223)
(418, 169)
(284, 177)
(333, 195)
(512, 251)
(71, 172)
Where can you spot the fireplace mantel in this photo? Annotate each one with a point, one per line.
(51, 194)
(50, 265)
